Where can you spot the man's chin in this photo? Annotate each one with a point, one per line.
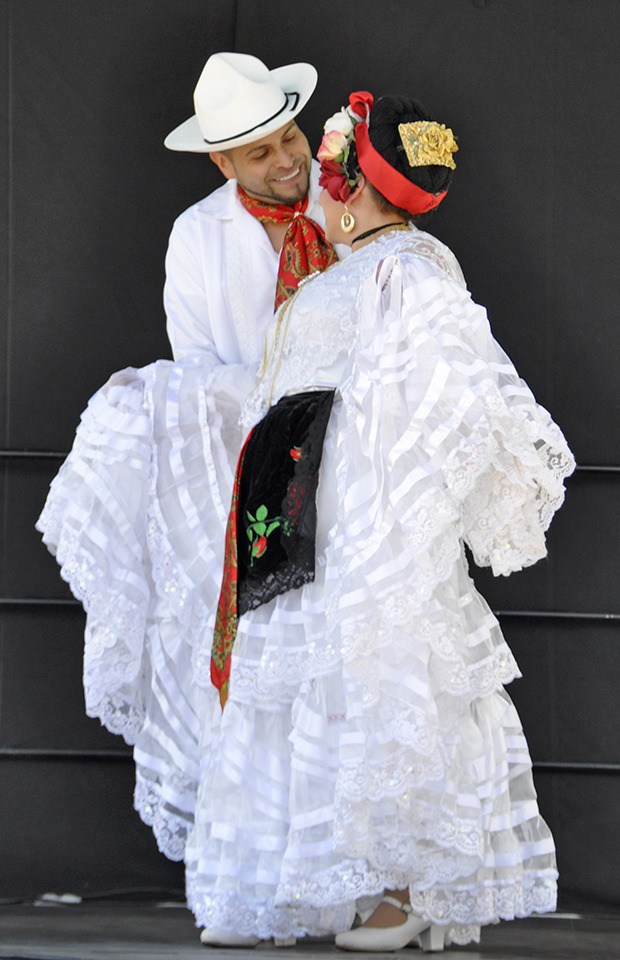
(280, 193)
(292, 194)
(288, 201)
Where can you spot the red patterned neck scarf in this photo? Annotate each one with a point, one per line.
(305, 248)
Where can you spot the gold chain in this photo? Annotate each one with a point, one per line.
(279, 339)
(281, 328)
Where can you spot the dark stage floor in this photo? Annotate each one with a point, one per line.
(138, 931)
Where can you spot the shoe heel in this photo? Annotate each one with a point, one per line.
(432, 939)
(288, 942)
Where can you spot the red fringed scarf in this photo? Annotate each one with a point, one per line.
(227, 618)
(305, 249)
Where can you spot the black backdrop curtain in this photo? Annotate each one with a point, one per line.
(87, 93)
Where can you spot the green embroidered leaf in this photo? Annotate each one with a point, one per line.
(260, 528)
(272, 526)
(250, 533)
(249, 515)
(261, 513)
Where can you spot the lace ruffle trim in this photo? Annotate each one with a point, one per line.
(307, 907)
(169, 828)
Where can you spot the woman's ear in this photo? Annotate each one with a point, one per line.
(359, 189)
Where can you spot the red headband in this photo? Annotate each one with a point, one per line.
(396, 188)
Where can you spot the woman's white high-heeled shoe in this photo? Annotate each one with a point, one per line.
(212, 937)
(383, 939)
(432, 939)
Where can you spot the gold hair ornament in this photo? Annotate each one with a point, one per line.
(428, 143)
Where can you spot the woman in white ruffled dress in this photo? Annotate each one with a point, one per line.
(367, 758)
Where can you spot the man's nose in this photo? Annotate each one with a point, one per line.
(285, 157)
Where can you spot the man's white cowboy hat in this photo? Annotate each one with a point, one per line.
(238, 100)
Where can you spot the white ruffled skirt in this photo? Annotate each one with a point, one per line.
(368, 741)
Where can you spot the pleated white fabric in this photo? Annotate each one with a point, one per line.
(368, 741)
(136, 519)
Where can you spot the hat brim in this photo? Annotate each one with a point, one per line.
(297, 80)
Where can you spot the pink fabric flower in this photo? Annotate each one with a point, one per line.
(332, 145)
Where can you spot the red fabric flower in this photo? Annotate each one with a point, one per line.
(333, 179)
(295, 453)
(361, 102)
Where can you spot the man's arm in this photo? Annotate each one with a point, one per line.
(185, 295)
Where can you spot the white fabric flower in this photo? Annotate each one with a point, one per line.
(340, 122)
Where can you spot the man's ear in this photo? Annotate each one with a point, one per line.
(223, 162)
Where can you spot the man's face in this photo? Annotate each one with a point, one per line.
(276, 168)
